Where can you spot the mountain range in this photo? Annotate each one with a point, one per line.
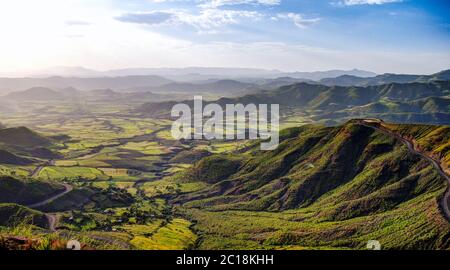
(409, 102)
(195, 73)
(350, 80)
(14, 84)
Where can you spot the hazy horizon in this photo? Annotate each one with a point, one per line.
(381, 36)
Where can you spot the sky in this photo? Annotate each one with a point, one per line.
(401, 36)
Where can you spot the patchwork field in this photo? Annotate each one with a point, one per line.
(113, 179)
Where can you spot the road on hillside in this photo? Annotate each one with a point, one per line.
(51, 218)
(446, 199)
(38, 169)
(67, 188)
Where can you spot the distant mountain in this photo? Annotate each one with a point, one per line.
(72, 94)
(344, 80)
(224, 88)
(23, 137)
(352, 80)
(318, 75)
(104, 94)
(198, 73)
(315, 96)
(269, 84)
(35, 94)
(337, 102)
(115, 83)
(2, 126)
(204, 73)
(148, 96)
(219, 87)
(440, 76)
(425, 105)
(211, 72)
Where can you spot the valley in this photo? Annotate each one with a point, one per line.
(109, 174)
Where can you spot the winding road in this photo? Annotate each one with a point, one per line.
(38, 169)
(51, 218)
(446, 198)
(67, 188)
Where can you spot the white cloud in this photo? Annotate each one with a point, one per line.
(42, 37)
(367, 2)
(212, 18)
(218, 3)
(206, 19)
(297, 19)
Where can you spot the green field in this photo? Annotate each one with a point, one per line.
(135, 187)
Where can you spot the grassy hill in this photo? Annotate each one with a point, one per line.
(348, 80)
(10, 158)
(345, 184)
(223, 87)
(432, 139)
(22, 136)
(411, 102)
(34, 94)
(14, 214)
(26, 191)
(22, 146)
(425, 105)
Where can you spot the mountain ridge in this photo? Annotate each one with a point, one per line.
(349, 80)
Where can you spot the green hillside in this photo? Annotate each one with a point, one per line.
(35, 93)
(23, 137)
(14, 214)
(412, 102)
(26, 191)
(10, 158)
(433, 139)
(348, 80)
(345, 184)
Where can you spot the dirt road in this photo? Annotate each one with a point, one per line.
(67, 188)
(51, 218)
(446, 199)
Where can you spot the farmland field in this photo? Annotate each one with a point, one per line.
(119, 166)
(120, 181)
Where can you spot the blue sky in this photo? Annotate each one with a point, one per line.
(408, 24)
(410, 36)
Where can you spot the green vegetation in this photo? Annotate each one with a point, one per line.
(72, 173)
(132, 186)
(403, 101)
(175, 235)
(13, 215)
(26, 191)
(22, 136)
(430, 138)
(366, 186)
